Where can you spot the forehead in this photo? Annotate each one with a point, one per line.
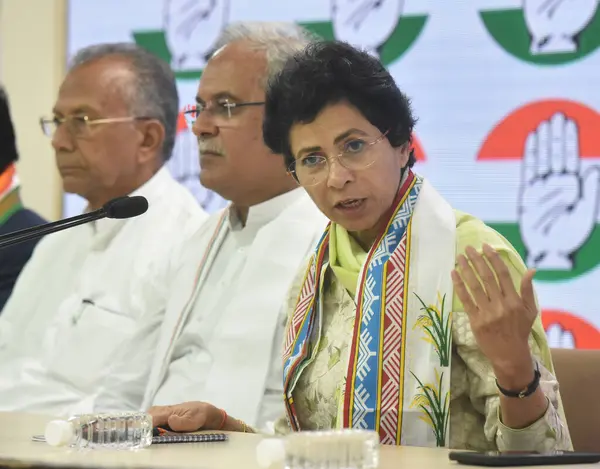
(96, 86)
(332, 121)
(236, 69)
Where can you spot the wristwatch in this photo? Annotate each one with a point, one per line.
(528, 391)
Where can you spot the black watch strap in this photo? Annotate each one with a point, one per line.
(528, 391)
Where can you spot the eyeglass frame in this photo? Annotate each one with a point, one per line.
(87, 121)
(292, 171)
(226, 105)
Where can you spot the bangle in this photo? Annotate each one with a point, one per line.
(224, 414)
(528, 391)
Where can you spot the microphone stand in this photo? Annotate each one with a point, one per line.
(42, 230)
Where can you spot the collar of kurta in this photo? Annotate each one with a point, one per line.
(265, 212)
(9, 184)
(151, 190)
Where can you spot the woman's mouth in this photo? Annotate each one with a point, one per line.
(350, 204)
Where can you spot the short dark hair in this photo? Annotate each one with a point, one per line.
(8, 141)
(153, 92)
(329, 72)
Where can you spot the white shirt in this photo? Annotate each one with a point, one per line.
(79, 331)
(217, 304)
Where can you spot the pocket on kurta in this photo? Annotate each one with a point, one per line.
(87, 347)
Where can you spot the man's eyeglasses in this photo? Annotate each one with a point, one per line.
(80, 126)
(221, 110)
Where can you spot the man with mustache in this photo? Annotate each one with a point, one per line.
(84, 317)
(224, 327)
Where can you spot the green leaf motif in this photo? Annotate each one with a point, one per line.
(436, 323)
(334, 357)
(435, 408)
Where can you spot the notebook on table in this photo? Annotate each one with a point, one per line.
(173, 438)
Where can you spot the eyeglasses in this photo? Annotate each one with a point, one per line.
(221, 110)
(354, 154)
(80, 126)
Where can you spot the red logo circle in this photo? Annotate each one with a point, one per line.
(585, 335)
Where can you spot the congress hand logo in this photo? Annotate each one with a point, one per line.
(559, 338)
(546, 32)
(365, 23)
(558, 204)
(553, 145)
(191, 29)
(555, 24)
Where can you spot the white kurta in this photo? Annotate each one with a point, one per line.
(80, 329)
(229, 332)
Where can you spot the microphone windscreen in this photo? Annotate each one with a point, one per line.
(126, 207)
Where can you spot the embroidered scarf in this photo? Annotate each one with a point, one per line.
(398, 369)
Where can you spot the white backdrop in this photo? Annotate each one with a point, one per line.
(506, 92)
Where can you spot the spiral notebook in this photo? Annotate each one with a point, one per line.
(190, 438)
(173, 438)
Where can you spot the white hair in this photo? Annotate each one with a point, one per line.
(152, 93)
(279, 40)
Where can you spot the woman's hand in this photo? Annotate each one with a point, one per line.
(188, 417)
(501, 318)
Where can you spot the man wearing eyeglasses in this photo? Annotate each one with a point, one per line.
(224, 328)
(77, 333)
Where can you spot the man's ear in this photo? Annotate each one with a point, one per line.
(153, 137)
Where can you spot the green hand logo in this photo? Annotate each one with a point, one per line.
(189, 33)
(547, 32)
(379, 26)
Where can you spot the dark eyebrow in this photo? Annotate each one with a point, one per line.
(347, 133)
(338, 139)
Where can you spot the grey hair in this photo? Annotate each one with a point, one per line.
(279, 40)
(153, 92)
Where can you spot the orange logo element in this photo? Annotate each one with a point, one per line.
(585, 335)
(419, 153)
(6, 178)
(507, 139)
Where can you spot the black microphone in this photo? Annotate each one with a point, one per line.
(121, 207)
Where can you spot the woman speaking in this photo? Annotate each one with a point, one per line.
(411, 318)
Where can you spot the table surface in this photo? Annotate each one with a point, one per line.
(16, 430)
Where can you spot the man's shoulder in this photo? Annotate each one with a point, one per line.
(44, 250)
(203, 233)
(178, 199)
(305, 210)
(174, 214)
(20, 220)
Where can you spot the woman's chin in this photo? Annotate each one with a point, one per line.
(354, 225)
